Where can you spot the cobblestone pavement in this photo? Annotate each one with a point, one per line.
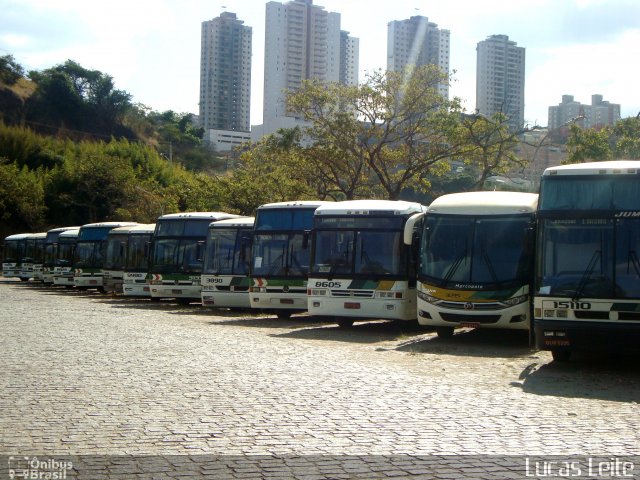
(92, 375)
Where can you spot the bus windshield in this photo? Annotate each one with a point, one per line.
(13, 251)
(228, 251)
(65, 254)
(137, 257)
(281, 254)
(176, 256)
(595, 258)
(88, 255)
(355, 252)
(476, 250)
(116, 252)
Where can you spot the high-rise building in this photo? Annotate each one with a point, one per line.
(417, 41)
(302, 41)
(349, 58)
(225, 74)
(500, 79)
(598, 114)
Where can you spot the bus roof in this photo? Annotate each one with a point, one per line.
(215, 216)
(61, 229)
(596, 168)
(294, 204)
(17, 236)
(484, 203)
(234, 222)
(108, 224)
(70, 233)
(349, 207)
(37, 235)
(137, 228)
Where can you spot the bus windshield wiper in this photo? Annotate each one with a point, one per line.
(587, 275)
(487, 260)
(454, 267)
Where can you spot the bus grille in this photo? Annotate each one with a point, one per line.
(456, 317)
(476, 306)
(353, 293)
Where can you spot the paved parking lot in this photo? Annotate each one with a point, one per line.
(104, 378)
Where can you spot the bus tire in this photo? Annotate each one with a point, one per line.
(561, 355)
(283, 314)
(345, 322)
(155, 299)
(444, 332)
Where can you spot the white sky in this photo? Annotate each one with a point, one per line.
(151, 48)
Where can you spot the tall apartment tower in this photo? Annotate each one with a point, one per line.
(417, 41)
(225, 74)
(500, 79)
(598, 114)
(302, 41)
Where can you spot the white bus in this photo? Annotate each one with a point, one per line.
(115, 257)
(51, 252)
(176, 260)
(89, 254)
(13, 252)
(33, 256)
(63, 264)
(227, 257)
(587, 281)
(363, 262)
(280, 256)
(135, 279)
(476, 261)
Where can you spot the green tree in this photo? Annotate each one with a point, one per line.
(395, 126)
(22, 207)
(272, 170)
(73, 97)
(489, 145)
(588, 144)
(10, 70)
(626, 137)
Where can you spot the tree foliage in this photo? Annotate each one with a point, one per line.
(489, 146)
(394, 126)
(85, 99)
(273, 170)
(87, 181)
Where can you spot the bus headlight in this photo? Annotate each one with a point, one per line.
(427, 298)
(515, 300)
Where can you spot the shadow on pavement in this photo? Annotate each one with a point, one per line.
(473, 343)
(361, 332)
(587, 375)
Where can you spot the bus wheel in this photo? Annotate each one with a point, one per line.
(155, 299)
(22, 279)
(184, 301)
(561, 355)
(444, 332)
(345, 322)
(284, 314)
